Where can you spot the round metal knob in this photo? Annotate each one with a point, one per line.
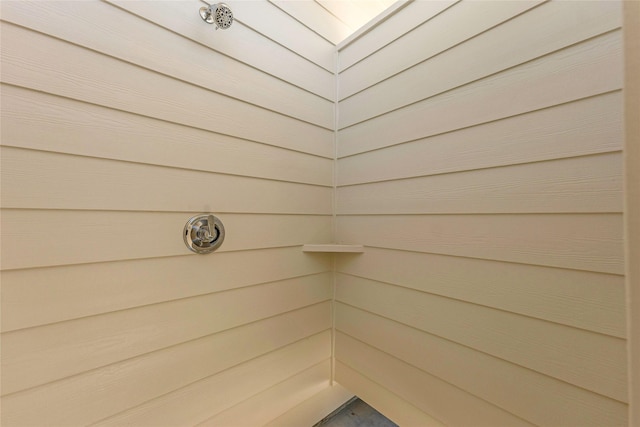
(203, 233)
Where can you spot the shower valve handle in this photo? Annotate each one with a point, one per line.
(203, 233)
(208, 233)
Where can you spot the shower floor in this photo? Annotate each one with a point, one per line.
(356, 414)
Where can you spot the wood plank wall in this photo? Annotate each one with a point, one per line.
(120, 120)
(631, 36)
(480, 162)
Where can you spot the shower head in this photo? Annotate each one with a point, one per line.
(219, 14)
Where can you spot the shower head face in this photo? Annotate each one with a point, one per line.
(224, 16)
(219, 14)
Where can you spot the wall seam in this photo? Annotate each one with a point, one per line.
(334, 210)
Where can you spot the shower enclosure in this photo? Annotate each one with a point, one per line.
(427, 214)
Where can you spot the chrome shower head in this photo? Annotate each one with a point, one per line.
(219, 14)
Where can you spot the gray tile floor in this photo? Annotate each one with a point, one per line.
(356, 414)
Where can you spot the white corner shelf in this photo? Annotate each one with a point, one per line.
(334, 248)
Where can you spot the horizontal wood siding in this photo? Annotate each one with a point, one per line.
(480, 164)
(478, 160)
(510, 386)
(264, 405)
(380, 397)
(313, 410)
(46, 122)
(121, 120)
(316, 17)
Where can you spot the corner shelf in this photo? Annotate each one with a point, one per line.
(357, 249)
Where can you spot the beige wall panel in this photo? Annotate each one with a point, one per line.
(588, 126)
(77, 237)
(272, 402)
(150, 46)
(273, 23)
(39, 355)
(632, 198)
(539, 399)
(536, 33)
(394, 27)
(591, 242)
(428, 393)
(42, 63)
(58, 403)
(585, 300)
(199, 401)
(582, 184)
(313, 410)
(41, 121)
(392, 406)
(32, 297)
(522, 292)
(450, 27)
(239, 42)
(148, 94)
(558, 78)
(137, 380)
(43, 180)
(586, 359)
(317, 18)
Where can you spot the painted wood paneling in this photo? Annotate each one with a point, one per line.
(55, 403)
(631, 30)
(581, 299)
(586, 359)
(539, 399)
(591, 242)
(240, 42)
(98, 79)
(539, 32)
(124, 235)
(212, 395)
(317, 18)
(272, 402)
(314, 409)
(40, 121)
(355, 13)
(394, 407)
(270, 21)
(586, 69)
(39, 355)
(588, 126)
(60, 181)
(440, 29)
(32, 297)
(394, 27)
(168, 53)
(115, 131)
(582, 184)
(481, 167)
(427, 392)
(471, 166)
